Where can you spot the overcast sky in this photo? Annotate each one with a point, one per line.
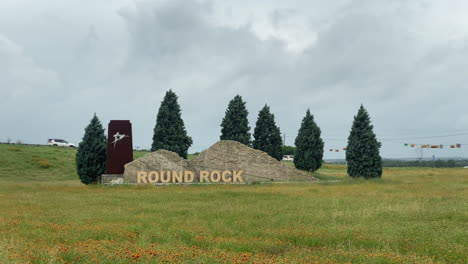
(406, 61)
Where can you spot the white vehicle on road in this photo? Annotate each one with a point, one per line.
(60, 143)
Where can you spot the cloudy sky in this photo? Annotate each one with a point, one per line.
(406, 61)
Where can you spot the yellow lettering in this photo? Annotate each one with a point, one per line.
(188, 176)
(153, 177)
(204, 176)
(177, 176)
(237, 176)
(226, 179)
(141, 177)
(166, 179)
(218, 176)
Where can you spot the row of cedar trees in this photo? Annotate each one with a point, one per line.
(362, 154)
(363, 150)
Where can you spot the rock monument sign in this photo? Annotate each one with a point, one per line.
(225, 162)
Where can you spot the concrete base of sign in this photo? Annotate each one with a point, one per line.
(112, 179)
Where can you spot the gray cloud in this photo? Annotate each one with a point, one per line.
(406, 67)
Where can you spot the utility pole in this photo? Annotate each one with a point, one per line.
(284, 139)
(419, 152)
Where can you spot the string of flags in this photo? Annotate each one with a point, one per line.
(432, 146)
(336, 150)
(429, 146)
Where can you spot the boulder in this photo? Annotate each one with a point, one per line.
(160, 160)
(257, 166)
(225, 155)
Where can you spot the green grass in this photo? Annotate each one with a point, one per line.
(410, 216)
(21, 163)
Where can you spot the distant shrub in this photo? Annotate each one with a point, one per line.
(13, 149)
(288, 150)
(19, 142)
(425, 163)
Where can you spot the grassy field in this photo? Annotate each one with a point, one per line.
(410, 216)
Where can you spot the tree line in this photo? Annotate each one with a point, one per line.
(363, 150)
(425, 163)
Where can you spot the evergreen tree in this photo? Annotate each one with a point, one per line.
(169, 131)
(267, 136)
(309, 145)
(235, 125)
(362, 154)
(91, 154)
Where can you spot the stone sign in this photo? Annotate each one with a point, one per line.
(225, 162)
(119, 146)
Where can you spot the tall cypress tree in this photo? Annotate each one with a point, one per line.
(235, 125)
(362, 154)
(169, 131)
(267, 136)
(91, 154)
(309, 145)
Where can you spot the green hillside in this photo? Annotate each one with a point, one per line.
(21, 163)
(41, 163)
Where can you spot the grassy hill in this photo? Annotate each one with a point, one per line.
(39, 163)
(21, 163)
(415, 215)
